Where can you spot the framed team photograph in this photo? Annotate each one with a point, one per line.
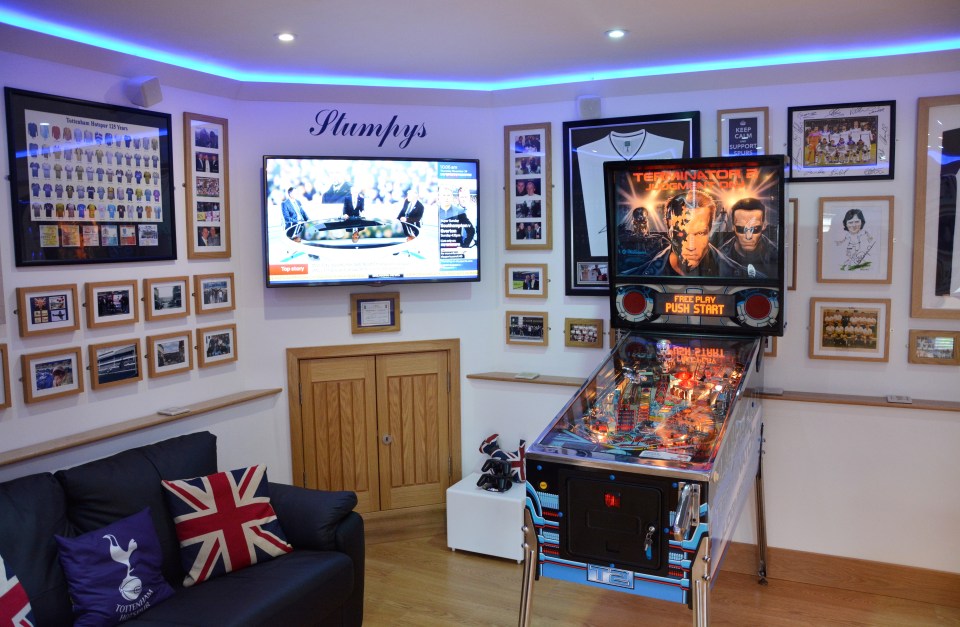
(375, 313)
(47, 309)
(52, 374)
(111, 303)
(791, 212)
(587, 145)
(208, 186)
(842, 142)
(583, 332)
(166, 297)
(77, 167)
(851, 329)
(214, 292)
(939, 348)
(115, 363)
(169, 353)
(5, 400)
(528, 190)
(525, 280)
(216, 345)
(743, 132)
(936, 227)
(527, 327)
(856, 240)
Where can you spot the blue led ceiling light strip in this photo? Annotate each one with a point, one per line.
(27, 22)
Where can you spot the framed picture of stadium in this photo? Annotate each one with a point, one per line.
(115, 363)
(169, 353)
(166, 297)
(842, 142)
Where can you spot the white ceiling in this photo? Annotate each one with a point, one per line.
(486, 45)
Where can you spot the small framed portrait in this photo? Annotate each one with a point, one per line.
(842, 142)
(166, 297)
(169, 353)
(940, 348)
(790, 243)
(527, 327)
(216, 345)
(528, 191)
(743, 132)
(525, 280)
(583, 332)
(852, 329)
(52, 374)
(47, 309)
(115, 363)
(111, 303)
(856, 240)
(214, 292)
(770, 346)
(5, 373)
(592, 273)
(375, 313)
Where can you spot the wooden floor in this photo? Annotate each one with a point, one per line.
(422, 583)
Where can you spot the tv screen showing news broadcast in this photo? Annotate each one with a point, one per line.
(374, 221)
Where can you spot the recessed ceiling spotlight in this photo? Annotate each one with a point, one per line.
(616, 33)
(286, 37)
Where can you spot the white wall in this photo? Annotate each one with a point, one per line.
(860, 482)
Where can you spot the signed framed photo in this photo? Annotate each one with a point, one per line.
(216, 345)
(208, 186)
(529, 187)
(115, 363)
(743, 132)
(856, 240)
(169, 353)
(166, 297)
(852, 329)
(842, 142)
(47, 309)
(527, 327)
(525, 280)
(940, 348)
(214, 292)
(91, 183)
(52, 374)
(111, 303)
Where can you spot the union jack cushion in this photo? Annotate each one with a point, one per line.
(224, 522)
(14, 605)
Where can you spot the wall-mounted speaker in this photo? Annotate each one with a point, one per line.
(588, 107)
(144, 91)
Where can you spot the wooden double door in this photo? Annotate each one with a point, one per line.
(379, 425)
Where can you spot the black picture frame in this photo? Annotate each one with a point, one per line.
(53, 221)
(585, 235)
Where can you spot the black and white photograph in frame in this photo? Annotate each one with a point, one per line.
(856, 240)
(166, 297)
(216, 345)
(51, 374)
(169, 353)
(115, 363)
(587, 145)
(527, 327)
(214, 292)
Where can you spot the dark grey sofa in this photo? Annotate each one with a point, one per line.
(319, 583)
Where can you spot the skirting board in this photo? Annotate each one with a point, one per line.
(845, 573)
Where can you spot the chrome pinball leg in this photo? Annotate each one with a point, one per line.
(761, 519)
(530, 550)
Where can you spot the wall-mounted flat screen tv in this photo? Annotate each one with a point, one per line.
(373, 221)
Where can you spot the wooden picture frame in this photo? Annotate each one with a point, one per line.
(216, 345)
(52, 374)
(583, 332)
(743, 131)
(529, 328)
(169, 353)
(47, 309)
(525, 280)
(770, 346)
(850, 329)
(375, 313)
(791, 217)
(166, 297)
(587, 144)
(115, 363)
(207, 174)
(939, 348)
(818, 156)
(214, 293)
(529, 187)
(855, 243)
(81, 170)
(111, 303)
(935, 292)
(6, 401)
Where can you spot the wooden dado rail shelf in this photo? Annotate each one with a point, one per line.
(788, 395)
(135, 424)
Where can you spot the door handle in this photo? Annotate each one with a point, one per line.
(387, 439)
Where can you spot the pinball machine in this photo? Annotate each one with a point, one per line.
(638, 483)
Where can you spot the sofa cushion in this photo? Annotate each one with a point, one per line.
(14, 604)
(32, 511)
(300, 588)
(225, 522)
(118, 486)
(114, 572)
